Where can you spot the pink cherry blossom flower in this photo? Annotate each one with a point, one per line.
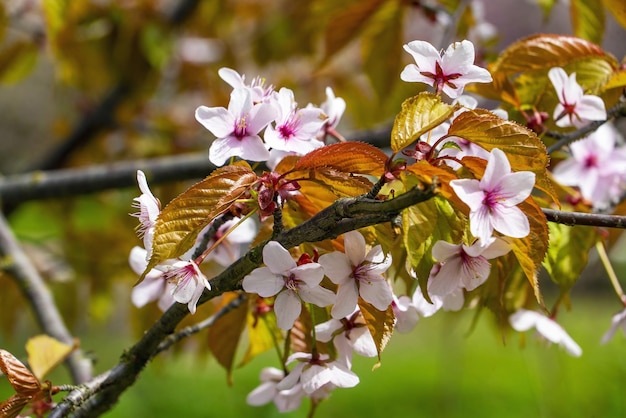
(523, 320)
(237, 128)
(259, 92)
(348, 334)
(149, 209)
(333, 108)
(574, 108)
(463, 266)
(492, 200)
(189, 282)
(449, 72)
(285, 400)
(314, 372)
(357, 273)
(291, 282)
(618, 321)
(296, 129)
(596, 166)
(409, 310)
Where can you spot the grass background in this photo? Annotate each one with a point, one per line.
(441, 369)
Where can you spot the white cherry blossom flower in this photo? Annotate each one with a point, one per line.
(596, 166)
(575, 108)
(259, 92)
(357, 273)
(188, 281)
(333, 108)
(285, 400)
(313, 373)
(296, 129)
(237, 128)
(348, 334)
(292, 283)
(463, 266)
(149, 209)
(618, 321)
(493, 199)
(153, 287)
(449, 72)
(523, 320)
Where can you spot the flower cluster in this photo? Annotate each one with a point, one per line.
(254, 108)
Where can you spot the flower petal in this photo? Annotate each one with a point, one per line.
(287, 308)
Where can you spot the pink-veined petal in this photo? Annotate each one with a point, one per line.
(376, 292)
(498, 166)
(354, 244)
(447, 279)
(510, 221)
(516, 187)
(317, 295)
(324, 331)
(346, 301)
(424, 54)
(216, 119)
(277, 258)
(443, 250)
(337, 267)
(263, 282)
(287, 308)
(470, 192)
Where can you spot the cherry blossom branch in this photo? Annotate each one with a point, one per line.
(589, 219)
(37, 294)
(619, 110)
(344, 215)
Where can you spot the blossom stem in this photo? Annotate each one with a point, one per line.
(282, 358)
(313, 335)
(200, 259)
(610, 271)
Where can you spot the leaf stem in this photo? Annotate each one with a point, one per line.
(610, 271)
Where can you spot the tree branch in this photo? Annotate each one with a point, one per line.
(589, 219)
(37, 294)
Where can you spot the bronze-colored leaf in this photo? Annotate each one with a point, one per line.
(546, 51)
(186, 215)
(348, 157)
(225, 333)
(22, 380)
(380, 324)
(12, 407)
(419, 115)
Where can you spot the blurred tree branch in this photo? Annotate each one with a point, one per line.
(37, 294)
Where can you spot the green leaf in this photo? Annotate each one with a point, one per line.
(346, 25)
(16, 61)
(379, 323)
(542, 51)
(588, 19)
(524, 150)
(546, 7)
(263, 333)
(568, 252)
(225, 332)
(186, 215)
(423, 225)
(419, 115)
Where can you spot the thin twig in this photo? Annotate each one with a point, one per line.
(589, 219)
(37, 294)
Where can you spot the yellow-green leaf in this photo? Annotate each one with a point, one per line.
(588, 19)
(380, 324)
(45, 353)
(568, 252)
(524, 150)
(263, 334)
(419, 115)
(225, 332)
(16, 61)
(347, 157)
(618, 10)
(186, 215)
(546, 51)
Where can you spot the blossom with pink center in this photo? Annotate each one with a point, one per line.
(448, 72)
(463, 266)
(295, 129)
(285, 400)
(292, 283)
(409, 310)
(618, 321)
(259, 92)
(523, 320)
(149, 209)
(348, 334)
(358, 272)
(237, 128)
(493, 200)
(153, 286)
(596, 166)
(575, 108)
(315, 372)
(188, 281)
